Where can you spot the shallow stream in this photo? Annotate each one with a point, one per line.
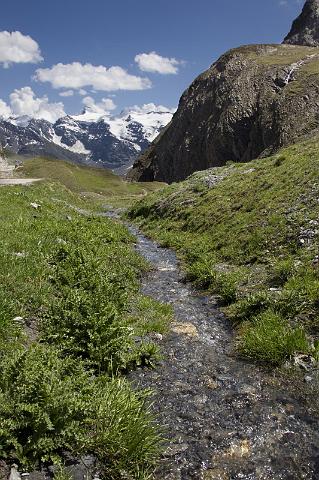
(225, 419)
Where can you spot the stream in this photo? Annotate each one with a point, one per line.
(224, 418)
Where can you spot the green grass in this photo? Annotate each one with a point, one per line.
(106, 186)
(246, 239)
(269, 338)
(283, 54)
(71, 322)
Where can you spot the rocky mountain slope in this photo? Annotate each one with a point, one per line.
(252, 101)
(305, 29)
(107, 141)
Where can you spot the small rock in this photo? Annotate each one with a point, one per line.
(158, 336)
(304, 361)
(34, 205)
(210, 383)
(14, 474)
(174, 449)
(308, 379)
(19, 254)
(61, 241)
(215, 474)
(185, 328)
(18, 319)
(239, 450)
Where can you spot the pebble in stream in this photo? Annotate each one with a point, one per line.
(226, 419)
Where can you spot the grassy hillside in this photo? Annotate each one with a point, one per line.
(250, 232)
(80, 179)
(72, 322)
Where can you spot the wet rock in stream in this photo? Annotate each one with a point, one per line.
(225, 419)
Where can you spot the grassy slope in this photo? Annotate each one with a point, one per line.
(70, 311)
(253, 238)
(80, 178)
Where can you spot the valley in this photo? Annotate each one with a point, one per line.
(159, 267)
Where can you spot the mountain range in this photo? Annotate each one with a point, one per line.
(90, 138)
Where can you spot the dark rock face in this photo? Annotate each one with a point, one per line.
(249, 103)
(305, 29)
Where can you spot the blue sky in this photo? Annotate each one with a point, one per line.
(107, 33)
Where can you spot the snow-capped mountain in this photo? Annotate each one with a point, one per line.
(89, 138)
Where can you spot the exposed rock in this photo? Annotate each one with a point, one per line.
(35, 205)
(185, 328)
(305, 29)
(14, 474)
(252, 101)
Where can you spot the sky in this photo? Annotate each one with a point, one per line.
(58, 56)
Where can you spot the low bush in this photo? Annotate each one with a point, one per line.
(269, 338)
(51, 403)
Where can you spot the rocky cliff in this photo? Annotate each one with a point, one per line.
(305, 29)
(249, 103)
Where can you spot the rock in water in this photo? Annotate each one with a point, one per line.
(14, 474)
(252, 101)
(305, 29)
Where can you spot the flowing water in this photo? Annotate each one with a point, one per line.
(225, 419)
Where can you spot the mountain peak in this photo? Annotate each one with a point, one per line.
(305, 29)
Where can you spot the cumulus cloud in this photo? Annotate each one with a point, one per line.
(24, 102)
(66, 93)
(18, 48)
(152, 62)
(150, 107)
(5, 110)
(105, 105)
(77, 75)
(286, 3)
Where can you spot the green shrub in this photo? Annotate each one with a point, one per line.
(122, 433)
(269, 338)
(281, 271)
(51, 403)
(42, 405)
(226, 285)
(249, 306)
(148, 315)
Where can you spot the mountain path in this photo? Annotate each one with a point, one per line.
(225, 419)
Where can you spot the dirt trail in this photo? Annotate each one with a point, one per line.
(19, 181)
(226, 419)
(7, 175)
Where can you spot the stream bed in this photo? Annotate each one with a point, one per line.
(224, 418)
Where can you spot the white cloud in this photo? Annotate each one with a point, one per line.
(24, 102)
(152, 62)
(76, 76)
(66, 93)
(104, 106)
(286, 3)
(18, 48)
(5, 110)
